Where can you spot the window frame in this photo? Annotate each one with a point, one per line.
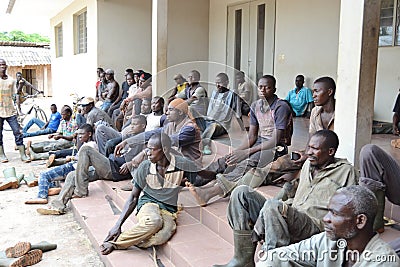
(80, 32)
(395, 21)
(59, 39)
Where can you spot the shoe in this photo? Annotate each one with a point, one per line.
(49, 211)
(37, 201)
(127, 187)
(44, 246)
(207, 150)
(9, 183)
(18, 250)
(30, 258)
(3, 158)
(50, 161)
(31, 180)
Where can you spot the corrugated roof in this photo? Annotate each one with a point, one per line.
(23, 56)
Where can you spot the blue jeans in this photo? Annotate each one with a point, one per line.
(46, 179)
(106, 105)
(13, 122)
(40, 124)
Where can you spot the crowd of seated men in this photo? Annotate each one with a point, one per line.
(159, 144)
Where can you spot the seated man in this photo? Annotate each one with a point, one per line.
(93, 114)
(160, 179)
(300, 98)
(157, 117)
(112, 91)
(349, 238)
(45, 128)
(270, 125)
(251, 215)
(222, 109)
(63, 138)
(180, 85)
(246, 93)
(47, 178)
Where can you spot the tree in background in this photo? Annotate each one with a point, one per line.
(23, 37)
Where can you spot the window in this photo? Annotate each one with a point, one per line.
(59, 40)
(81, 32)
(389, 31)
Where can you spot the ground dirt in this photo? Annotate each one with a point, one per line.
(20, 222)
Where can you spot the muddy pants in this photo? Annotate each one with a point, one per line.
(272, 220)
(155, 227)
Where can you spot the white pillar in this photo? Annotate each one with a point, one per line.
(159, 46)
(357, 60)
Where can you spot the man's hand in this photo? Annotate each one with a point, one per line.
(395, 130)
(57, 137)
(113, 234)
(125, 168)
(118, 148)
(69, 158)
(236, 156)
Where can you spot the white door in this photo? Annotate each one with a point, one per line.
(250, 38)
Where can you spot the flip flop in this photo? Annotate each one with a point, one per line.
(18, 250)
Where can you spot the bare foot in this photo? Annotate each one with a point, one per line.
(54, 191)
(197, 193)
(36, 201)
(106, 248)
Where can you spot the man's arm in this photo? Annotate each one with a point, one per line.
(396, 118)
(129, 206)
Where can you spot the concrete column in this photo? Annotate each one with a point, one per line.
(357, 63)
(159, 46)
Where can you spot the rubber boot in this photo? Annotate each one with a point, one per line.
(37, 156)
(10, 179)
(44, 246)
(24, 157)
(244, 250)
(253, 178)
(226, 186)
(31, 180)
(52, 161)
(3, 158)
(379, 224)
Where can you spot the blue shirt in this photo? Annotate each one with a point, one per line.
(54, 121)
(299, 101)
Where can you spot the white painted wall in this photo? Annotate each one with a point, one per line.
(124, 35)
(387, 82)
(74, 73)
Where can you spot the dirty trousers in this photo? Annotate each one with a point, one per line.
(273, 220)
(155, 226)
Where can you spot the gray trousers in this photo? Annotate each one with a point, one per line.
(77, 182)
(380, 171)
(103, 134)
(272, 220)
(234, 173)
(213, 129)
(47, 146)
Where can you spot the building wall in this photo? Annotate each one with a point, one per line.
(187, 46)
(75, 73)
(43, 76)
(387, 83)
(124, 35)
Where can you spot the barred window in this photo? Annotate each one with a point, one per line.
(81, 32)
(59, 40)
(389, 30)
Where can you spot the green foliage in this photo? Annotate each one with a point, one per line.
(23, 37)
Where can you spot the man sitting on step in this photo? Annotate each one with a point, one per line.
(160, 179)
(349, 238)
(253, 217)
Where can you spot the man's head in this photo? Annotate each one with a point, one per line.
(144, 79)
(128, 71)
(145, 108)
(177, 110)
(138, 124)
(324, 89)
(240, 77)
(193, 77)
(322, 147)
(99, 70)
(266, 86)
(129, 79)
(178, 78)
(66, 113)
(87, 104)
(3, 66)
(18, 75)
(109, 74)
(158, 147)
(299, 81)
(221, 81)
(85, 132)
(351, 210)
(157, 104)
(102, 77)
(53, 108)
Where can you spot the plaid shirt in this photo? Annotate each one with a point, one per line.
(67, 128)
